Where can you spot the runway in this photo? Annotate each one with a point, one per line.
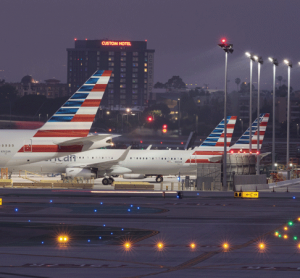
(98, 226)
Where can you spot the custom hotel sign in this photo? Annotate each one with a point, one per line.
(115, 43)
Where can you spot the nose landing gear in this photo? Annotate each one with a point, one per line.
(159, 179)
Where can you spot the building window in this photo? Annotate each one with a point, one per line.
(145, 86)
(122, 80)
(145, 70)
(135, 70)
(111, 91)
(122, 96)
(145, 75)
(145, 80)
(135, 64)
(134, 91)
(134, 80)
(123, 69)
(110, 58)
(145, 64)
(135, 54)
(112, 75)
(110, 85)
(98, 52)
(146, 59)
(112, 69)
(134, 75)
(123, 59)
(123, 64)
(135, 97)
(123, 102)
(111, 64)
(146, 54)
(111, 53)
(122, 91)
(111, 96)
(135, 59)
(98, 64)
(123, 53)
(134, 102)
(134, 86)
(111, 80)
(122, 75)
(122, 85)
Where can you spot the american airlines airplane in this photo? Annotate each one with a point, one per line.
(110, 162)
(65, 133)
(141, 163)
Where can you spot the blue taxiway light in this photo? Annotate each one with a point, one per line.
(95, 210)
(197, 193)
(131, 205)
(138, 207)
(122, 229)
(16, 209)
(103, 225)
(111, 233)
(51, 201)
(89, 240)
(294, 197)
(101, 203)
(100, 237)
(28, 220)
(42, 242)
(128, 209)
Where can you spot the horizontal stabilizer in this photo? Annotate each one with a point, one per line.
(85, 140)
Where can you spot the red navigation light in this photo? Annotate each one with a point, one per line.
(149, 118)
(141, 142)
(257, 152)
(223, 40)
(165, 126)
(181, 143)
(75, 39)
(231, 151)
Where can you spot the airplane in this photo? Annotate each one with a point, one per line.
(141, 163)
(65, 133)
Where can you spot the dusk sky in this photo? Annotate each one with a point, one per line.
(184, 34)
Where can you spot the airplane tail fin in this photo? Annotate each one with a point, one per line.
(215, 141)
(75, 118)
(242, 144)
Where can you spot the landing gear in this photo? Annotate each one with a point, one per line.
(159, 179)
(111, 180)
(107, 181)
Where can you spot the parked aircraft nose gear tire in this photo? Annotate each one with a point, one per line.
(111, 180)
(105, 181)
(159, 179)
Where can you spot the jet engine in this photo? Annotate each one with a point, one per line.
(134, 176)
(80, 172)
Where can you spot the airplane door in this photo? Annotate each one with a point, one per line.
(27, 147)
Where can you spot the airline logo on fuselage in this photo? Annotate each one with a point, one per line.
(64, 158)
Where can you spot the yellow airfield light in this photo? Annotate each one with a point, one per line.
(160, 245)
(127, 245)
(193, 245)
(63, 239)
(285, 228)
(285, 236)
(262, 246)
(225, 246)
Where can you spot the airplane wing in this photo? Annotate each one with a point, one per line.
(215, 158)
(262, 155)
(85, 140)
(104, 165)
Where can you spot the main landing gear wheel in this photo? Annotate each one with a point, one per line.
(159, 179)
(105, 181)
(111, 180)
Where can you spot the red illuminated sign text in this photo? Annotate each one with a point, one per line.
(114, 43)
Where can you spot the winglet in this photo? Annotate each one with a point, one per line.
(149, 147)
(124, 155)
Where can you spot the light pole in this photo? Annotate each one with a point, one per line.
(297, 130)
(227, 48)
(242, 124)
(289, 64)
(259, 63)
(250, 104)
(275, 63)
(179, 114)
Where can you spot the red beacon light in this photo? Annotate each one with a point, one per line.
(231, 152)
(223, 40)
(257, 152)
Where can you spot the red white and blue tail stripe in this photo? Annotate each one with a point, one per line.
(242, 144)
(213, 145)
(73, 120)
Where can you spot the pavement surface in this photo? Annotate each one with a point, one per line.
(83, 233)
